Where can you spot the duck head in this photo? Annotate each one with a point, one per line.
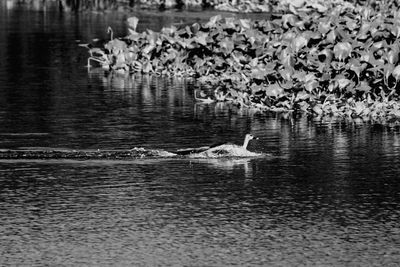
(247, 139)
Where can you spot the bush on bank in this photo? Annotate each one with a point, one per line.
(336, 59)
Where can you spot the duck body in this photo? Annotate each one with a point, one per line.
(221, 150)
(226, 150)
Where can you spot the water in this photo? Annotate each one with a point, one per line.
(327, 195)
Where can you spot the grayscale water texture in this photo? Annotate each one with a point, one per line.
(328, 194)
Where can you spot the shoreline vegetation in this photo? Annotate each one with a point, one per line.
(334, 58)
(331, 58)
(243, 6)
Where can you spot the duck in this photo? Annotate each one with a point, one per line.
(221, 150)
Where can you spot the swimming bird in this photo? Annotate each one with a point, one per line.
(221, 150)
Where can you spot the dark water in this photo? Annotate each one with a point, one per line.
(329, 194)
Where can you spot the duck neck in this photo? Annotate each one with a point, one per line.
(246, 142)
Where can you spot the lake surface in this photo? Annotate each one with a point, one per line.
(327, 193)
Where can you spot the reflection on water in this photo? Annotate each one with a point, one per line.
(275, 211)
(327, 196)
(70, 5)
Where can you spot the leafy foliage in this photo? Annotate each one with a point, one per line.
(336, 59)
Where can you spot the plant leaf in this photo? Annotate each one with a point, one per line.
(213, 21)
(227, 45)
(298, 43)
(133, 22)
(342, 50)
(274, 90)
(396, 73)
